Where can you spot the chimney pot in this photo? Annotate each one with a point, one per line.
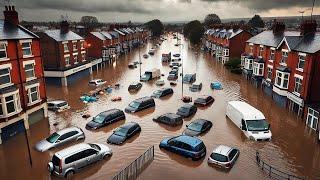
(6, 7)
(11, 15)
(278, 27)
(308, 27)
(64, 27)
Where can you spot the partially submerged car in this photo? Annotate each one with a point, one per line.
(105, 118)
(224, 156)
(136, 86)
(58, 105)
(162, 92)
(169, 119)
(187, 110)
(197, 127)
(96, 82)
(124, 132)
(204, 100)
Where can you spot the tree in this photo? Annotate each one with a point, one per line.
(156, 27)
(211, 19)
(256, 21)
(89, 22)
(194, 31)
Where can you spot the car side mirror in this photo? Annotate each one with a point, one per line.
(243, 128)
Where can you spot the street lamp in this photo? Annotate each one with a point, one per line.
(181, 68)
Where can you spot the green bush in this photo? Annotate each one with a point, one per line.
(233, 63)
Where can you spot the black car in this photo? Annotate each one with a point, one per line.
(169, 119)
(105, 118)
(136, 86)
(172, 77)
(140, 104)
(197, 127)
(187, 110)
(124, 132)
(162, 92)
(204, 100)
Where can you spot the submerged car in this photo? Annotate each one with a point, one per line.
(174, 64)
(172, 77)
(160, 82)
(224, 156)
(187, 146)
(96, 82)
(195, 87)
(162, 92)
(204, 100)
(136, 86)
(105, 118)
(189, 78)
(187, 110)
(140, 104)
(58, 105)
(124, 132)
(61, 137)
(169, 119)
(68, 161)
(197, 127)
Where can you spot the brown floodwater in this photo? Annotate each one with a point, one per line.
(293, 147)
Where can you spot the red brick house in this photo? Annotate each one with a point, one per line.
(64, 55)
(22, 87)
(286, 64)
(226, 43)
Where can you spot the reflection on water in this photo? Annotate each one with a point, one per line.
(293, 147)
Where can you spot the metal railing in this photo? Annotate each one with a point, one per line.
(133, 170)
(273, 172)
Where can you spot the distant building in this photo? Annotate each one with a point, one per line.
(22, 87)
(226, 43)
(64, 55)
(287, 66)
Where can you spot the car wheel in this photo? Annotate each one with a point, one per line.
(106, 156)
(69, 174)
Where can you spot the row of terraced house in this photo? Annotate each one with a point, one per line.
(29, 60)
(285, 64)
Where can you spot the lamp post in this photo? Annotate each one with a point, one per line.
(181, 52)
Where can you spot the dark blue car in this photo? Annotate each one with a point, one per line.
(190, 147)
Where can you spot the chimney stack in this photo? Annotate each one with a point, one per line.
(11, 15)
(278, 27)
(64, 27)
(308, 27)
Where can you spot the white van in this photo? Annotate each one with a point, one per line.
(250, 120)
(151, 74)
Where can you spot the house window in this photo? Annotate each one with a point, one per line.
(269, 75)
(284, 57)
(301, 62)
(74, 46)
(5, 76)
(272, 54)
(243, 60)
(249, 64)
(1, 110)
(261, 51)
(226, 52)
(3, 50)
(82, 45)
(26, 48)
(67, 60)
(282, 79)
(298, 85)
(251, 49)
(65, 47)
(75, 58)
(29, 70)
(258, 69)
(313, 118)
(83, 56)
(10, 104)
(33, 94)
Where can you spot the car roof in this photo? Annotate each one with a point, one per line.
(129, 125)
(110, 111)
(189, 106)
(193, 141)
(249, 112)
(146, 98)
(73, 149)
(171, 115)
(134, 83)
(57, 101)
(199, 121)
(204, 97)
(65, 130)
(222, 149)
(163, 89)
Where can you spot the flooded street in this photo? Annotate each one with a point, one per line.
(293, 147)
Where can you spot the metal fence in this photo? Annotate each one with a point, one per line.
(273, 172)
(133, 170)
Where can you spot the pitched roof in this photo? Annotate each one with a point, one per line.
(268, 38)
(309, 44)
(10, 31)
(114, 34)
(224, 33)
(58, 36)
(120, 32)
(106, 34)
(98, 35)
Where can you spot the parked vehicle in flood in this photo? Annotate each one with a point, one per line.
(224, 156)
(105, 118)
(58, 105)
(197, 127)
(250, 120)
(189, 78)
(151, 74)
(160, 82)
(124, 132)
(187, 110)
(196, 86)
(162, 92)
(174, 64)
(169, 119)
(204, 100)
(140, 104)
(59, 138)
(172, 77)
(68, 161)
(136, 86)
(96, 82)
(187, 146)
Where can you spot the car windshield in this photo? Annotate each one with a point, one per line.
(53, 137)
(121, 132)
(183, 109)
(257, 125)
(219, 157)
(96, 147)
(195, 127)
(99, 119)
(134, 104)
(62, 104)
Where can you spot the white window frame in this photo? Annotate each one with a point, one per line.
(261, 49)
(29, 41)
(284, 58)
(5, 44)
(272, 54)
(74, 45)
(296, 84)
(16, 101)
(83, 56)
(28, 88)
(226, 52)
(82, 44)
(300, 55)
(65, 61)
(313, 117)
(257, 67)
(269, 69)
(281, 75)
(75, 58)
(65, 46)
(25, 63)
(248, 63)
(251, 48)
(6, 66)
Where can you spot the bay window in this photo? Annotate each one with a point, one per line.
(10, 104)
(282, 79)
(301, 61)
(284, 57)
(26, 48)
(248, 63)
(298, 85)
(3, 50)
(258, 69)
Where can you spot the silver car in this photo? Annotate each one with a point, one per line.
(59, 138)
(224, 156)
(68, 161)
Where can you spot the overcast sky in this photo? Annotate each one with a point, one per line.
(165, 10)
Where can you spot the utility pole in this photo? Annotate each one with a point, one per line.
(140, 60)
(314, 1)
(301, 12)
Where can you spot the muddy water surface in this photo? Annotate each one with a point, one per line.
(293, 147)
